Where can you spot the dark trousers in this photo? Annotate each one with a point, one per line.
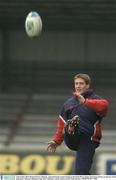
(85, 150)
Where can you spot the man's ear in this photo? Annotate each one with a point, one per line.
(88, 86)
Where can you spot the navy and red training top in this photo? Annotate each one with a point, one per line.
(90, 112)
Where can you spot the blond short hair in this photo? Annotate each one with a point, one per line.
(85, 77)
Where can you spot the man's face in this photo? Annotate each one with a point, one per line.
(80, 85)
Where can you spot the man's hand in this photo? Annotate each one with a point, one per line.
(52, 145)
(78, 96)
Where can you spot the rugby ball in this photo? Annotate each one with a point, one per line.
(33, 24)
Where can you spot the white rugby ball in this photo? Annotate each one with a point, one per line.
(33, 24)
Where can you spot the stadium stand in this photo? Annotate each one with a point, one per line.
(31, 102)
(36, 78)
(54, 77)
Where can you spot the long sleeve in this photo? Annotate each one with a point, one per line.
(58, 137)
(99, 106)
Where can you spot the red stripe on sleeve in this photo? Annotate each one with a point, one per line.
(97, 132)
(58, 137)
(99, 106)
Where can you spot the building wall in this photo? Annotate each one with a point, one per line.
(60, 46)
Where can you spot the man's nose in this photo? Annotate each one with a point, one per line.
(78, 85)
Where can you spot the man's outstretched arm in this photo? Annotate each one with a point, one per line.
(58, 137)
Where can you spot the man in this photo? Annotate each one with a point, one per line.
(79, 124)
